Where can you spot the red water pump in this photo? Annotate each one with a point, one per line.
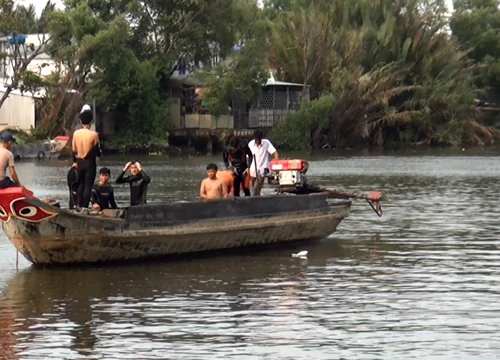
(289, 176)
(289, 172)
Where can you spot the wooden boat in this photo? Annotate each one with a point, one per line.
(45, 234)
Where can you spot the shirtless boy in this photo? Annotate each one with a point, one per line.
(213, 187)
(7, 162)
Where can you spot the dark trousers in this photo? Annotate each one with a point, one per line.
(7, 183)
(238, 180)
(86, 177)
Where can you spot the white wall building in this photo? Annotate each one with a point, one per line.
(18, 111)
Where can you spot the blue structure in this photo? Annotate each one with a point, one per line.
(19, 39)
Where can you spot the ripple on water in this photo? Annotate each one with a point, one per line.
(420, 282)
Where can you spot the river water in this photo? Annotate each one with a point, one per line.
(422, 282)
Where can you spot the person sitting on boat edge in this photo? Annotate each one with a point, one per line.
(239, 158)
(86, 149)
(72, 179)
(212, 187)
(102, 196)
(259, 168)
(7, 161)
(138, 181)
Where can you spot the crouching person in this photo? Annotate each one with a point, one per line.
(102, 195)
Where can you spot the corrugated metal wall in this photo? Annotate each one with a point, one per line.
(17, 112)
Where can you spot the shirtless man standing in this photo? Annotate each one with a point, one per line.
(85, 152)
(212, 187)
(7, 161)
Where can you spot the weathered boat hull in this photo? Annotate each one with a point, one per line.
(139, 232)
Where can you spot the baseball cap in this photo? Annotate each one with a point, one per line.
(85, 107)
(7, 136)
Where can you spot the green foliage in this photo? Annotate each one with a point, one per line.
(297, 132)
(476, 25)
(245, 70)
(379, 71)
(394, 72)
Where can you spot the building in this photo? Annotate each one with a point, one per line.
(18, 111)
(188, 111)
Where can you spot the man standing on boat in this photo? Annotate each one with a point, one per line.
(238, 158)
(7, 161)
(259, 168)
(138, 181)
(86, 149)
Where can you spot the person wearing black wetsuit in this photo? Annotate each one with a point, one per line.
(86, 149)
(236, 156)
(138, 181)
(73, 186)
(102, 196)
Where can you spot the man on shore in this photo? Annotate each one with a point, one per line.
(138, 180)
(259, 168)
(7, 161)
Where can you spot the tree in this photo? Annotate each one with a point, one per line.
(245, 69)
(476, 25)
(389, 68)
(14, 20)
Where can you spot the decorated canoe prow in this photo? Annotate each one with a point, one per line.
(290, 177)
(47, 234)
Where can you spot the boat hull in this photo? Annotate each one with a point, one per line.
(160, 230)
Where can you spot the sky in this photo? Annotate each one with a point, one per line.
(39, 4)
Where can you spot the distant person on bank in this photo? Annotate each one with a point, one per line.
(86, 149)
(212, 187)
(103, 196)
(7, 162)
(259, 168)
(138, 180)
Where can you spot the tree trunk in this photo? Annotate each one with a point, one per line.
(5, 95)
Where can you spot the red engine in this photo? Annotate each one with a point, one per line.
(285, 165)
(289, 172)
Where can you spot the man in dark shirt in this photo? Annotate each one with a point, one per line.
(72, 178)
(138, 181)
(102, 195)
(236, 156)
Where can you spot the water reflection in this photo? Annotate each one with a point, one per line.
(77, 309)
(420, 282)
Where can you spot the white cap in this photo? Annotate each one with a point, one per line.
(86, 107)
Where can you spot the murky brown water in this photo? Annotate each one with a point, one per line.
(422, 282)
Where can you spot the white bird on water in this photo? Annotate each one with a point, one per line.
(301, 255)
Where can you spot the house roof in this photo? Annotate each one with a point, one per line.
(271, 81)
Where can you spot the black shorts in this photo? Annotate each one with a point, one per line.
(7, 183)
